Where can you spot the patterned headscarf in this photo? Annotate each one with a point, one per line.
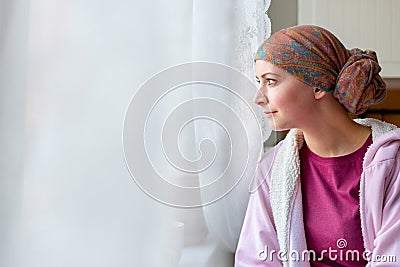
(316, 57)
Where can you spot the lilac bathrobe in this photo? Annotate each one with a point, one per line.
(274, 218)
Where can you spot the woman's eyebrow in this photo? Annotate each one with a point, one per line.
(267, 73)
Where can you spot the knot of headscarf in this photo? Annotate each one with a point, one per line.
(359, 85)
(316, 57)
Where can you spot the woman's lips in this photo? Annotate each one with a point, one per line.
(269, 113)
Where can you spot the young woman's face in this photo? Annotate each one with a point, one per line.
(286, 101)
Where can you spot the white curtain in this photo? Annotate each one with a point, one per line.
(232, 40)
(69, 69)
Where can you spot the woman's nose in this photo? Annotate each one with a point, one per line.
(260, 98)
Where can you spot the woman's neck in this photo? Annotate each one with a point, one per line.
(334, 138)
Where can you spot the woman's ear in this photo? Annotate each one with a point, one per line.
(318, 93)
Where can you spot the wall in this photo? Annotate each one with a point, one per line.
(283, 14)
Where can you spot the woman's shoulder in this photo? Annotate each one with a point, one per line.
(379, 128)
(292, 142)
(386, 143)
(264, 166)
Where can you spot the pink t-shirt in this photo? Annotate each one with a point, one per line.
(331, 207)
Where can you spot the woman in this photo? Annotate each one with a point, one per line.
(330, 190)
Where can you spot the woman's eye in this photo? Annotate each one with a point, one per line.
(270, 82)
(266, 82)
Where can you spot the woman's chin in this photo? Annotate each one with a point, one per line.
(276, 126)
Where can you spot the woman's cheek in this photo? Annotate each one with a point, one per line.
(280, 100)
